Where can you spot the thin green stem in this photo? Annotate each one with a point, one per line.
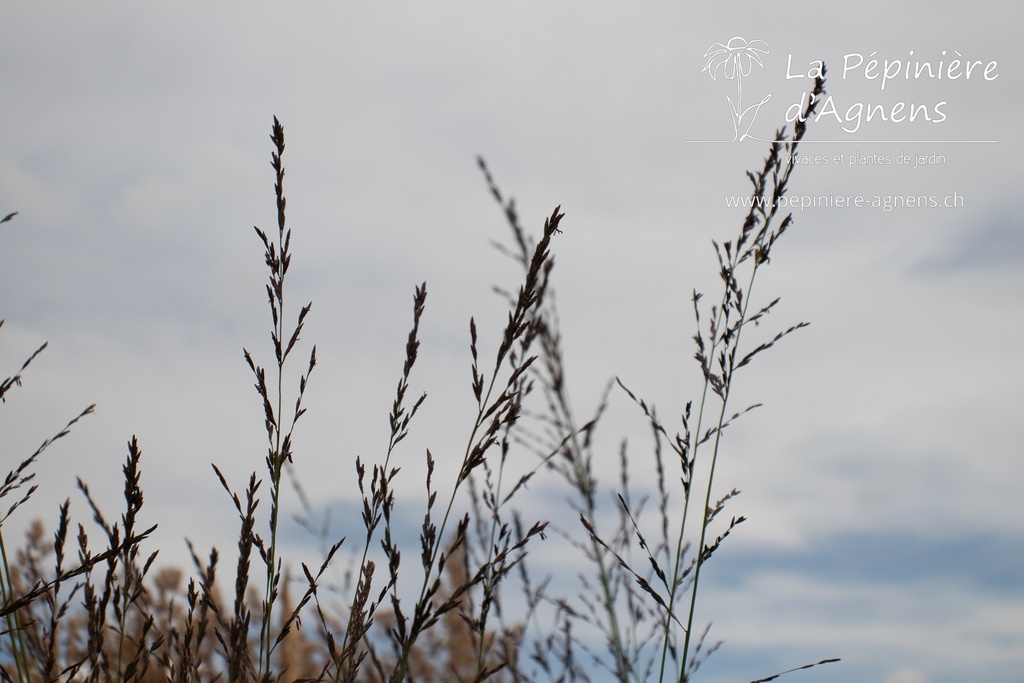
(14, 626)
(726, 391)
(495, 519)
(279, 267)
(678, 560)
(277, 463)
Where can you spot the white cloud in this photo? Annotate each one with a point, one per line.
(907, 676)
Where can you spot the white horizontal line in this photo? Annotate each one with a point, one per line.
(892, 142)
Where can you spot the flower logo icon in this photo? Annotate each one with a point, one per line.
(736, 60)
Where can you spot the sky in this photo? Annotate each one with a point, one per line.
(881, 477)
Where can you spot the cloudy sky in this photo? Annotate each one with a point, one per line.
(882, 476)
